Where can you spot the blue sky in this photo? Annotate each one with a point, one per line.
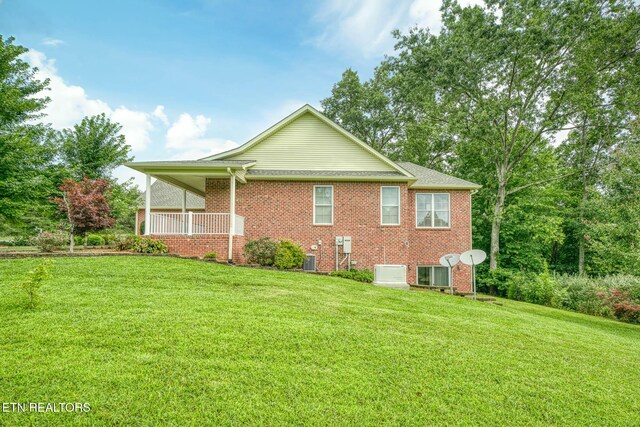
(191, 78)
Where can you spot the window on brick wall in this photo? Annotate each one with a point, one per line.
(433, 210)
(390, 205)
(323, 204)
(431, 275)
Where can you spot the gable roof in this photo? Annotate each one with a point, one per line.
(384, 164)
(429, 178)
(167, 196)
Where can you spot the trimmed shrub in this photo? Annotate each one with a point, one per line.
(211, 255)
(49, 242)
(95, 240)
(142, 245)
(78, 240)
(261, 251)
(289, 255)
(124, 243)
(147, 245)
(365, 276)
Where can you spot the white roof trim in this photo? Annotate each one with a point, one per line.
(293, 116)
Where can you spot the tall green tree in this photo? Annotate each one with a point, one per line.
(365, 110)
(499, 83)
(25, 155)
(93, 148)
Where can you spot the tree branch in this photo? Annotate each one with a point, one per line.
(542, 181)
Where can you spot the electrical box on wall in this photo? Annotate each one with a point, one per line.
(339, 240)
(346, 248)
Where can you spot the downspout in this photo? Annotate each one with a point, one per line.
(232, 213)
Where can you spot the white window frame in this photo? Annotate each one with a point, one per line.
(399, 206)
(431, 267)
(314, 205)
(433, 210)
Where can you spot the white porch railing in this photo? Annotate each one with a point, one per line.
(194, 223)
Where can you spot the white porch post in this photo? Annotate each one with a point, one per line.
(232, 213)
(147, 207)
(184, 210)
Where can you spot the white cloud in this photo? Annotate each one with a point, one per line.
(160, 114)
(365, 26)
(52, 42)
(70, 104)
(136, 126)
(187, 139)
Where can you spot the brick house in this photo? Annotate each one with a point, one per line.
(308, 180)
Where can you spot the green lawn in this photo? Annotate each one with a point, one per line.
(152, 340)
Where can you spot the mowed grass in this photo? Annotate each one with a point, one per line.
(151, 341)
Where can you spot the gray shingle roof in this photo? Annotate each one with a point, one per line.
(429, 178)
(321, 173)
(167, 196)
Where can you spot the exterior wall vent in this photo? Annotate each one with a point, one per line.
(309, 263)
(390, 276)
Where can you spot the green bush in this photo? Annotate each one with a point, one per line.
(615, 296)
(125, 242)
(289, 255)
(211, 255)
(496, 282)
(22, 240)
(95, 240)
(142, 245)
(147, 245)
(109, 239)
(261, 251)
(33, 282)
(49, 242)
(582, 295)
(365, 275)
(540, 289)
(78, 240)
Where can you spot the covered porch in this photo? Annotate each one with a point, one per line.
(191, 176)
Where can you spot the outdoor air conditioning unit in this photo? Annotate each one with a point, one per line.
(309, 263)
(390, 276)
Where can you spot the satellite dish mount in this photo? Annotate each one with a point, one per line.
(449, 261)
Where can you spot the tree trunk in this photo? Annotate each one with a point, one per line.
(495, 225)
(71, 243)
(581, 241)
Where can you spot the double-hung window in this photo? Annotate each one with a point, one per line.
(433, 276)
(433, 210)
(390, 205)
(323, 204)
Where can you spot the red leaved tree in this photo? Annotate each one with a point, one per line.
(86, 206)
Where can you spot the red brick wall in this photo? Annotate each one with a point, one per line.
(284, 210)
(199, 245)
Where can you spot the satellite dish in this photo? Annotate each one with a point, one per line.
(473, 257)
(449, 260)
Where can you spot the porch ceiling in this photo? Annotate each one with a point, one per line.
(192, 175)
